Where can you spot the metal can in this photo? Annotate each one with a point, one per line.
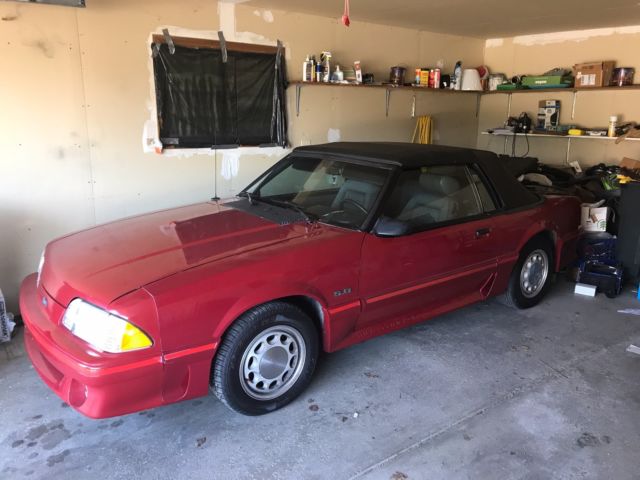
(418, 71)
(424, 77)
(436, 78)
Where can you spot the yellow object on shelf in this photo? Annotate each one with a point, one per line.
(422, 132)
(575, 131)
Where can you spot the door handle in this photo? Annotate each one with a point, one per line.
(483, 232)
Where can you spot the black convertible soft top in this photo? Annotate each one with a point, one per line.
(514, 195)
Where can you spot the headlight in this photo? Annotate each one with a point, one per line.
(40, 265)
(102, 329)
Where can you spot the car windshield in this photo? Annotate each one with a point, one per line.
(331, 191)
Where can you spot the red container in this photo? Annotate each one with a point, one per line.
(436, 78)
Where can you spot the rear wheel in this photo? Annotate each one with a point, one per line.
(266, 359)
(531, 276)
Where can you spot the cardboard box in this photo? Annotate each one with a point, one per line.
(548, 114)
(594, 74)
(594, 217)
(631, 164)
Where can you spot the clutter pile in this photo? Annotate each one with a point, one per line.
(609, 244)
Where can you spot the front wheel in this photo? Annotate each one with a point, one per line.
(266, 359)
(531, 276)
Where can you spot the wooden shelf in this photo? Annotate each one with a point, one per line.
(388, 86)
(568, 90)
(456, 92)
(544, 135)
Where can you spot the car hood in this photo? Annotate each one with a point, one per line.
(105, 262)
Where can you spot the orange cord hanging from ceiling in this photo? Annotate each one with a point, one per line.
(345, 16)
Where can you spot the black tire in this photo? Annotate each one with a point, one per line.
(516, 296)
(280, 320)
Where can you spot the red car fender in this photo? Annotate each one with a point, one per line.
(270, 293)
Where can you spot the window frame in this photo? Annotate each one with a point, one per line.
(211, 44)
(193, 42)
(491, 190)
(468, 166)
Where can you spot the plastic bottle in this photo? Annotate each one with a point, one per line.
(307, 70)
(457, 73)
(613, 124)
(325, 57)
(338, 75)
(314, 62)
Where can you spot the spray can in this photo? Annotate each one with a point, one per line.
(436, 78)
(613, 125)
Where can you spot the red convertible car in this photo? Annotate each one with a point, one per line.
(334, 245)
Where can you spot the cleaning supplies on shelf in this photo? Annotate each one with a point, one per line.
(325, 59)
(319, 70)
(456, 81)
(338, 75)
(308, 70)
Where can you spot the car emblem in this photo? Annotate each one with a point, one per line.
(44, 301)
(344, 291)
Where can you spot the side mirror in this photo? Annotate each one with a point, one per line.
(390, 227)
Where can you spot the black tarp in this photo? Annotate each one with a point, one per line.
(203, 102)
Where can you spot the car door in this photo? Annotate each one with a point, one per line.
(448, 258)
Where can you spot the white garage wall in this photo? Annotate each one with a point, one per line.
(75, 95)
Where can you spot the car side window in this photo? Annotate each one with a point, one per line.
(432, 195)
(487, 201)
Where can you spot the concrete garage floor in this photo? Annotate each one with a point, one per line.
(485, 392)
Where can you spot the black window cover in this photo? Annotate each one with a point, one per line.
(203, 102)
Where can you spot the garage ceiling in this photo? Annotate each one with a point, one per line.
(484, 19)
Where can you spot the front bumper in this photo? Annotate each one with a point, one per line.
(96, 384)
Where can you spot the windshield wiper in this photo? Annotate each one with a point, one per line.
(249, 196)
(278, 203)
(293, 206)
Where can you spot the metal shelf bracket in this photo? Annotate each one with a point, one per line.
(387, 100)
(298, 91)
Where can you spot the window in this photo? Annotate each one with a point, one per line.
(431, 195)
(486, 200)
(205, 102)
(335, 192)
